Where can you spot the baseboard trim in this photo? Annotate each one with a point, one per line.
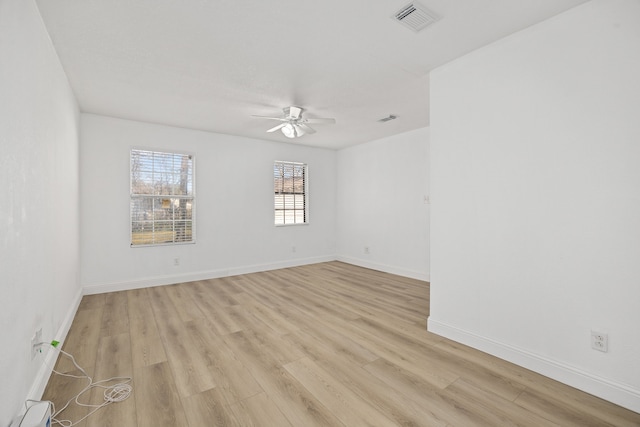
(99, 288)
(44, 373)
(418, 275)
(615, 392)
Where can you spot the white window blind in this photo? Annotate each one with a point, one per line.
(290, 193)
(162, 198)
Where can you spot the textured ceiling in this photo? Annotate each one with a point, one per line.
(211, 64)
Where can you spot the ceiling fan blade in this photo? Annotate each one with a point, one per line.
(273, 129)
(270, 118)
(294, 112)
(306, 128)
(320, 120)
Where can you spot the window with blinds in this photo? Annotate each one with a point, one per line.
(162, 198)
(290, 193)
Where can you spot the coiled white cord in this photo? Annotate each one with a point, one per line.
(112, 393)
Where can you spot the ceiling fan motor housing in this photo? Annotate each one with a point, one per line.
(293, 112)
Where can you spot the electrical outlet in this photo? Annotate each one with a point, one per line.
(599, 341)
(293, 248)
(366, 249)
(176, 262)
(35, 340)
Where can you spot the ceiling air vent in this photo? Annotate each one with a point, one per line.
(386, 119)
(415, 16)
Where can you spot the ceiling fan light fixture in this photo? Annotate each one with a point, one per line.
(289, 131)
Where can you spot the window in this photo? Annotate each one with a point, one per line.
(290, 195)
(162, 198)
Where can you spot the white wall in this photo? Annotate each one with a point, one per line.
(39, 201)
(382, 186)
(234, 207)
(535, 233)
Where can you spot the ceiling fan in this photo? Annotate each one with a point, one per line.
(293, 124)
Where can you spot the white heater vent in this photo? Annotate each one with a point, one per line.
(416, 16)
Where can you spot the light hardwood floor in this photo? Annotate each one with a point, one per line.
(321, 345)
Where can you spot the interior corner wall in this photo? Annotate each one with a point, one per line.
(235, 231)
(535, 237)
(382, 205)
(39, 240)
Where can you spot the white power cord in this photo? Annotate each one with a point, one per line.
(112, 393)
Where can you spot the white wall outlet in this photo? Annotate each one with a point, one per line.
(599, 341)
(176, 261)
(293, 248)
(366, 249)
(35, 340)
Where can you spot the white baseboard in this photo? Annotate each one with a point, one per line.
(278, 265)
(42, 377)
(620, 394)
(200, 275)
(385, 268)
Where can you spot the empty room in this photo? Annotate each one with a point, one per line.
(334, 213)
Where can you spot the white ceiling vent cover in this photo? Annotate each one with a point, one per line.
(415, 16)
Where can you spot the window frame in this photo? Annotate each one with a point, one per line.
(305, 195)
(161, 197)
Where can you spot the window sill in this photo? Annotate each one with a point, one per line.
(163, 244)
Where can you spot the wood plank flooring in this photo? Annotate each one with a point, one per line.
(328, 344)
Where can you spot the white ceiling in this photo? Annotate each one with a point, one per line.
(211, 64)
